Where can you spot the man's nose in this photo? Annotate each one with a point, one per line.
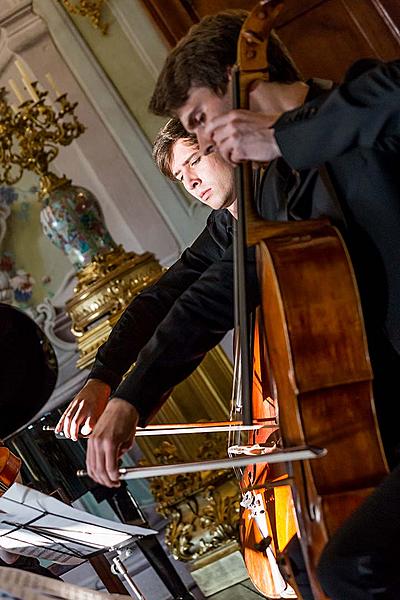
(190, 179)
(194, 182)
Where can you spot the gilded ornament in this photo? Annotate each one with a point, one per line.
(32, 133)
(202, 509)
(92, 9)
(105, 286)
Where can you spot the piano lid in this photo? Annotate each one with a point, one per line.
(28, 369)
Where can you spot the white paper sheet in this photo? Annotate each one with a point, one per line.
(34, 524)
(22, 585)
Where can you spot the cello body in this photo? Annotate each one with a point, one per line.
(317, 352)
(317, 358)
(267, 512)
(9, 468)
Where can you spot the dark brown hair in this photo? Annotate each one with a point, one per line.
(202, 58)
(163, 145)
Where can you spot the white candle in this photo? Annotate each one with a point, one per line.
(23, 72)
(53, 84)
(31, 90)
(16, 91)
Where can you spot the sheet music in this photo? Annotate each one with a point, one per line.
(33, 524)
(22, 585)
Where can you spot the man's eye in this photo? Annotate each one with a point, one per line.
(195, 161)
(200, 119)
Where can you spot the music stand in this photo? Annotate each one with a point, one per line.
(37, 525)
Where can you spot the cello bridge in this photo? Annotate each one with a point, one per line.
(251, 450)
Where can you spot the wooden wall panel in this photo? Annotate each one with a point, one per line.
(323, 36)
(210, 7)
(328, 37)
(173, 18)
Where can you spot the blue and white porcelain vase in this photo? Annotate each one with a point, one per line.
(73, 220)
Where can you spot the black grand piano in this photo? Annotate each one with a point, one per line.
(28, 375)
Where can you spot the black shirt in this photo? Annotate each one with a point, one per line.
(354, 133)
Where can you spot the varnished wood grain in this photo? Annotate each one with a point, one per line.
(323, 36)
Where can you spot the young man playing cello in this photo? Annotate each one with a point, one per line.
(154, 320)
(198, 300)
(209, 179)
(330, 153)
(354, 131)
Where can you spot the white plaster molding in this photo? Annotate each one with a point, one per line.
(184, 220)
(44, 315)
(10, 8)
(135, 23)
(65, 291)
(95, 160)
(4, 53)
(22, 25)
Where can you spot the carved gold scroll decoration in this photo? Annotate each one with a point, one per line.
(104, 289)
(202, 508)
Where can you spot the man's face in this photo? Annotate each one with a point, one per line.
(201, 106)
(208, 178)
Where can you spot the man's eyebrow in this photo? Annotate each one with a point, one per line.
(186, 162)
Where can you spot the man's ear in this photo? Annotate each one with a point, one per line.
(229, 72)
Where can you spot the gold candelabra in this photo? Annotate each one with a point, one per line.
(11, 169)
(32, 132)
(89, 8)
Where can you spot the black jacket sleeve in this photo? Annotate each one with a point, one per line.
(148, 309)
(361, 113)
(196, 323)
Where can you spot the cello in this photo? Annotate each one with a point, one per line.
(295, 391)
(318, 359)
(9, 468)
(268, 520)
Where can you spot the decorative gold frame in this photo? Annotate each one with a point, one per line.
(92, 9)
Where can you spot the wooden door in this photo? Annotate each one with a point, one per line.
(323, 36)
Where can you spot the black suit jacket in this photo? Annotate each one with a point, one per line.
(354, 131)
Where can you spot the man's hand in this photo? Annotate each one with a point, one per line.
(111, 438)
(85, 409)
(240, 135)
